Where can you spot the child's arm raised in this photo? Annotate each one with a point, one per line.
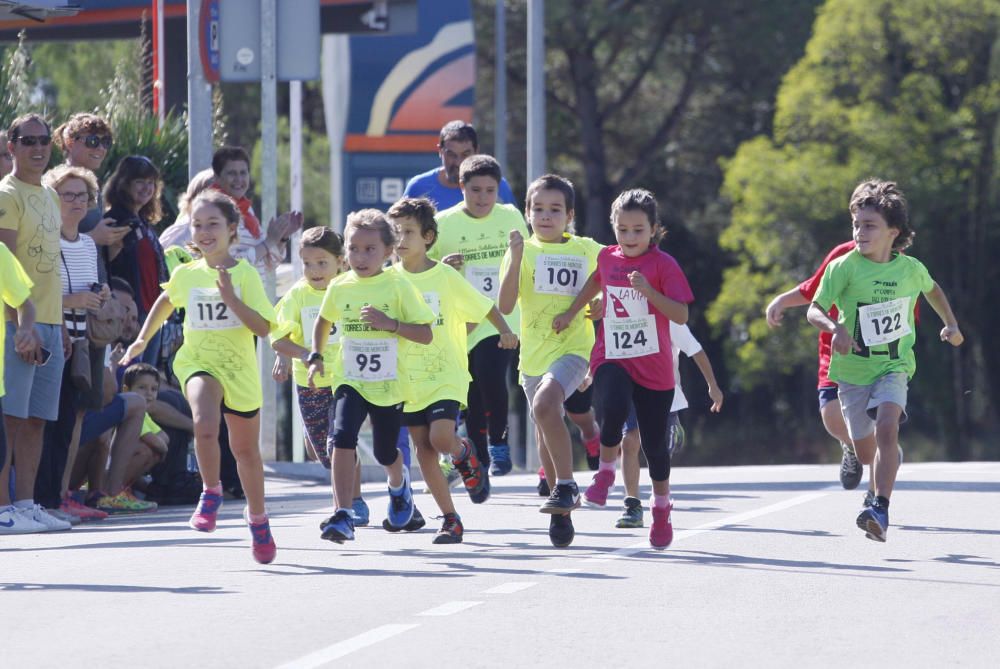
(315, 360)
(507, 338)
(590, 290)
(256, 323)
(507, 297)
(705, 367)
(154, 319)
(842, 341)
(672, 309)
(939, 303)
(416, 332)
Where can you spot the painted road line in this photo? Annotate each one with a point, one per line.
(448, 608)
(510, 588)
(347, 646)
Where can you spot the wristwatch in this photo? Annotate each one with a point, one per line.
(314, 357)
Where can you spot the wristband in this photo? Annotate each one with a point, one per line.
(314, 357)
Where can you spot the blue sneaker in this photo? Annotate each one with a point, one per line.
(500, 463)
(361, 513)
(874, 521)
(401, 505)
(338, 528)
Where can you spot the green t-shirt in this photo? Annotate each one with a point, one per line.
(440, 370)
(371, 361)
(149, 426)
(876, 302)
(552, 275)
(482, 242)
(15, 288)
(297, 314)
(215, 340)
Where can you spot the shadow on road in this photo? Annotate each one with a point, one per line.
(90, 587)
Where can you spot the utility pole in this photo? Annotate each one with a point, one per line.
(500, 86)
(199, 97)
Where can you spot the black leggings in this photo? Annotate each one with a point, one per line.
(613, 390)
(489, 366)
(349, 411)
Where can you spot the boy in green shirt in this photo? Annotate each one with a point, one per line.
(874, 287)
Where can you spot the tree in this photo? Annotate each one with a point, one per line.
(907, 91)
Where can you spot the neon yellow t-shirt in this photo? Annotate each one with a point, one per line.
(149, 426)
(215, 340)
(34, 213)
(371, 360)
(297, 313)
(482, 242)
(552, 274)
(440, 370)
(876, 301)
(15, 288)
(175, 257)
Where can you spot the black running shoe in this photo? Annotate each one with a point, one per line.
(543, 488)
(631, 514)
(474, 474)
(338, 528)
(451, 530)
(563, 499)
(850, 469)
(561, 530)
(874, 520)
(415, 523)
(869, 499)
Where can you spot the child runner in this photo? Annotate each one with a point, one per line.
(681, 341)
(543, 275)
(225, 306)
(472, 236)
(438, 374)
(322, 253)
(874, 288)
(379, 314)
(643, 289)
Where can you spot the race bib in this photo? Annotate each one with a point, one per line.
(629, 328)
(560, 274)
(485, 279)
(308, 316)
(207, 311)
(370, 359)
(884, 322)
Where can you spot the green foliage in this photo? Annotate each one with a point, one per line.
(903, 91)
(15, 82)
(72, 75)
(315, 173)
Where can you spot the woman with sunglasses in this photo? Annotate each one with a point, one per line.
(132, 194)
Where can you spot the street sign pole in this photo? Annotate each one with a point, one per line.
(199, 96)
(269, 208)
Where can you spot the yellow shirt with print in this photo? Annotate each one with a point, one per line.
(215, 340)
(34, 213)
(297, 313)
(482, 242)
(440, 370)
(371, 360)
(552, 274)
(15, 288)
(149, 426)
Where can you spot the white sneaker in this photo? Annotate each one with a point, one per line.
(14, 522)
(50, 523)
(64, 516)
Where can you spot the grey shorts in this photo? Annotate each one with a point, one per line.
(568, 371)
(859, 404)
(33, 390)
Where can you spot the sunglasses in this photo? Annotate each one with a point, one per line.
(31, 140)
(94, 141)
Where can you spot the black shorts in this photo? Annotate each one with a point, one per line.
(226, 409)
(827, 394)
(440, 410)
(579, 401)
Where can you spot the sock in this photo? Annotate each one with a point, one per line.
(24, 503)
(661, 501)
(349, 512)
(256, 518)
(882, 501)
(565, 481)
(215, 489)
(607, 466)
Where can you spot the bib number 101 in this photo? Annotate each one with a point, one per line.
(563, 276)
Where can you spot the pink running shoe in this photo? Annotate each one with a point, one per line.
(597, 491)
(661, 533)
(203, 518)
(264, 548)
(71, 506)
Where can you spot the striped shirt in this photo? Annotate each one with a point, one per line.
(79, 272)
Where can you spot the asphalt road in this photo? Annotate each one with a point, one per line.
(766, 570)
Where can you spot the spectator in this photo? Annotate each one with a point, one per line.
(175, 239)
(457, 141)
(29, 226)
(133, 195)
(6, 159)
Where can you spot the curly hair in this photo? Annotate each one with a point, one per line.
(888, 201)
(78, 125)
(61, 173)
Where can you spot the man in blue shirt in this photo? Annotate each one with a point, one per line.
(457, 142)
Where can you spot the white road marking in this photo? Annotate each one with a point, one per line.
(448, 608)
(347, 646)
(510, 588)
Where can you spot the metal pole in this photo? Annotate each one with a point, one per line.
(500, 86)
(336, 98)
(295, 179)
(269, 207)
(199, 97)
(159, 86)
(536, 89)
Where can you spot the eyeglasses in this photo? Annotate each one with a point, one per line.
(70, 198)
(31, 140)
(94, 141)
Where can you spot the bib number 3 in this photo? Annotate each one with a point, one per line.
(485, 279)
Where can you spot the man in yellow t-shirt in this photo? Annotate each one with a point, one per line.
(30, 220)
(472, 237)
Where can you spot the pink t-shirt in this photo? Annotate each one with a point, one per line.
(633, 334)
